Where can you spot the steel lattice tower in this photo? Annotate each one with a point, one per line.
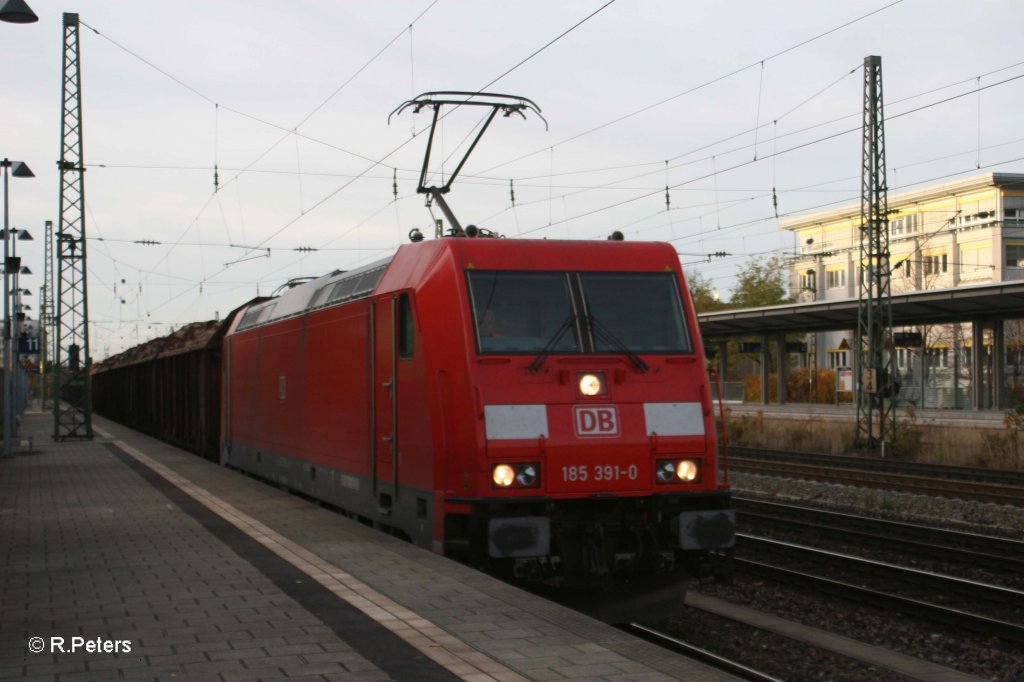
(46, 317)
(72, 405)
(876, 414)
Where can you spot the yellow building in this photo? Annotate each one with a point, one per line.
(947, 235)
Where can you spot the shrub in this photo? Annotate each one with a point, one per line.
(798, 386)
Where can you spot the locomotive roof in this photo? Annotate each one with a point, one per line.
(333, 288)
(344, 286)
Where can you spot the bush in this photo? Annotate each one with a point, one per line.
(1003, 449)
(746, 430)
(907, 442)
(798, 386)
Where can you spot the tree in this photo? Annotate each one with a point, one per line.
(705, 298)
(762, 282)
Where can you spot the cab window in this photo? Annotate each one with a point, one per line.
(522, 312)
(642, 311)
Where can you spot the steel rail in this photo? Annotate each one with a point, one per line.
(702, 655)
(996, 594)
(960, 473)
(984, 492)
(954, 617)
(1003, 554)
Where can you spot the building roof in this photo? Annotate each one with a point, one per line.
(929, 193)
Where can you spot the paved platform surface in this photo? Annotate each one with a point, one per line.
(125, 558)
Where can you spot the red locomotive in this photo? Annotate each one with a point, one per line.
(540, 405)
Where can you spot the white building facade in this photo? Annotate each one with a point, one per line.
(942, 236)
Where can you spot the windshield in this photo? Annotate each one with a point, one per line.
(532, 312)
(521, 312)
(642, 310)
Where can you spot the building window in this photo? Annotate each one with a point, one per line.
(809, 281)
(938, 357)
(903, 269)
(936, 264)
(836, 278)
(907, 224)
(976, 261)
(1015, 254)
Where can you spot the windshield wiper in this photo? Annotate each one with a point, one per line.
(538, 361)
(600, 331)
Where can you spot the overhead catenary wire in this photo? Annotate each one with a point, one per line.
(610, 185)
(381, 160)
(542, 48)
(673, 209)
(470, 178)
(288, 131)
(848, 201)
(703, 85)
(757, 115)
(294, 128)
(774, 123)
(774, 154)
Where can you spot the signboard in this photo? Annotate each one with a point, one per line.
(845, 379)
(28, 345)
(907, 339)
(868, 380)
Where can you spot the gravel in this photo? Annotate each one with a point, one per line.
(942, 512)
(986, 658)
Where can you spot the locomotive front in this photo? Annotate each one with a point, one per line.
(598, 462)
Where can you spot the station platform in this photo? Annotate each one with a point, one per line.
(126, 558)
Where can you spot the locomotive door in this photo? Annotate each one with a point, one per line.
(385, 417)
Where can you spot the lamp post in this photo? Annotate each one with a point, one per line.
(19, 170)
(18, 382)
(17, 12)
(12, 12)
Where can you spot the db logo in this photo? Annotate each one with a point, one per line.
(596, 422)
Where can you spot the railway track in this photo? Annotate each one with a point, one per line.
(674, 644)
(932, 596)
(960, 473)
(830, 473)
(1002, 555)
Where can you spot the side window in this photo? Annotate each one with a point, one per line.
(406, 331)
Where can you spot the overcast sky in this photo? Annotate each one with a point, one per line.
(170, 90)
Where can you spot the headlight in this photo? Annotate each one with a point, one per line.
(526, 476)
(516, 475)
(591, 383)
(687, 470)
(677, 471)
(666, 471)
(503, 475)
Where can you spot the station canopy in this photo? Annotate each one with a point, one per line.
(1003, 300)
